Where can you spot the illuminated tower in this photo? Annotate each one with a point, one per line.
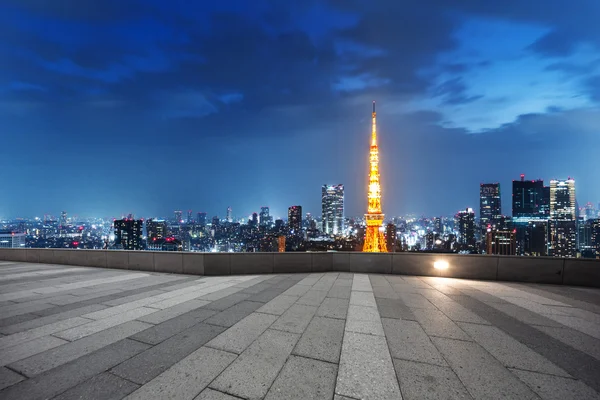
(374, 238)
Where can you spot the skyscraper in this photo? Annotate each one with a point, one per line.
(201, 219)
(229, 214)
(265, 220)
(490, 210)
(563, 218)
(595, 235)
(501, 242)
(295, 220)
(390, 236)
(190, 217)
(374, 238)
(156, 229)
(178, 215)
(465, 224)
(527, 197)
(128, 233)
(332, 204)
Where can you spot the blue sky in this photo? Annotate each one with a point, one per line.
(113, 107)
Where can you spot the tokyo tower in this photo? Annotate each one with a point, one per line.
(374, 239)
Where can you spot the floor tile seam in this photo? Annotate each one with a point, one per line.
(556, 342)
(220, 391)
(312, 358)
(335, 391)
(571, 377)
(423, 362)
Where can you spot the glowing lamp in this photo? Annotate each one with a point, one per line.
(440, 264)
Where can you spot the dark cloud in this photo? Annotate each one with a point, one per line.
(453, 92)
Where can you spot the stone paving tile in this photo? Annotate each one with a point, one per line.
(259, 287)
(523, 315)
(58, 380)
(295, 319)
(234, 314)
(366, 369)
(253, 372)
(8, 378)
(416, 301)
(297, 290)
(187, 378)
(483, 375)
(365, 299)
(172, 312)
(41, 321)
(28, 349)
(454, 311)
(18, 338)
(322, 340)
(575, 339)
(241, 335)
(391, 308)
(23, 308)
(101, 387)
(266, 295)
(436, 323)
(408, 341)
(53, 358)
(364, 320)
(333, 308)
(211, 394)
(278, 305)
(303, 378)
(425, 381)
(147, 365)
(92, 327)
(385, 292)
(17, 319)
(340, 292)
(226, 302)
(312, 297)
(133, 297)
(509, 351)
(555, 387)
(173, 326)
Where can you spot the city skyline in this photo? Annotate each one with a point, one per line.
(218, 105)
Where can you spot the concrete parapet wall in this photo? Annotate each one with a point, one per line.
(582, 272)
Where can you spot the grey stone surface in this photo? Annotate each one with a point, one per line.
(266, 295)
(141, 260)
(101, 387)
(555, 387)
(117, 259)
(295, 319)
(303, 378)
(232, 315)
(339, 291)
(366, 369)
(322, 262)
(530, 269)
(172, 312)
(53, 358)
(253, 372)
(483, 376)
(193, 264)
(173, 326)
(251, 263)
(391, 308)
(170, 262)
(151, 363)
(322, 340)
(278, 305)
(292, 262)
(58, 380)
(333, 308)
(364, 320)
(216, 264)
(8, 378)
(580, 341)
(509, 351)
(211, 394)
(435, 323)
(17, 338)
(27, 349)
(241, 335)
(187, 378)
(408, 341)
(312, 297)
(431, 382)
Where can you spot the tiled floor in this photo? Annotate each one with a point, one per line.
(89, 333)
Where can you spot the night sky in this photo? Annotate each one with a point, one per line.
(111, 107)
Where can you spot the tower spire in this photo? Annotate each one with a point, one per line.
(374, 240)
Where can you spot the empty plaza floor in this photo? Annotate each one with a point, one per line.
(70, 332)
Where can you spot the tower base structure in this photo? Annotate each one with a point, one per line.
(374, 238)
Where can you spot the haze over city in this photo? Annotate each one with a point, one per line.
(152, 107)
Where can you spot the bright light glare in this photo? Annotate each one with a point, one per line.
(440, 264)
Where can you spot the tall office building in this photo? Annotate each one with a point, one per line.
(332, 204)
(128, 233)
(438, 226)
(201, 219)
(563, 218)
(156, 229)
(229, 217)
(501, 242)
(265, 219)
(10, 239)
(391, 237)
(178, 215)
(527, 197)
(190, 217)
(464, 221)
(295, 220)
(490, 210)
(595, 235)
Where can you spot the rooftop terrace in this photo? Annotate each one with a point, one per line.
(71, 332)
